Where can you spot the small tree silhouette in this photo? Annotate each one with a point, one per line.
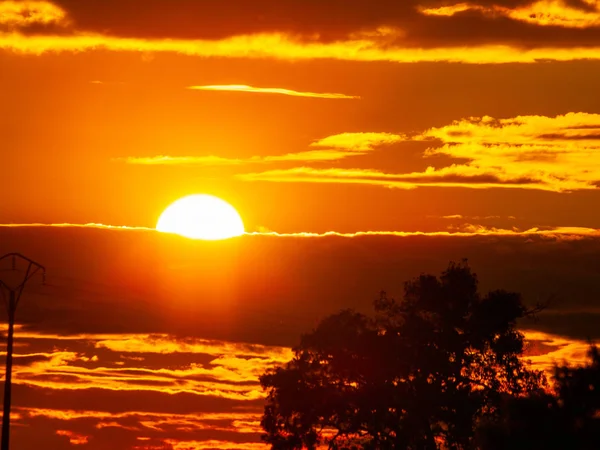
(416, 375)
(564, 418)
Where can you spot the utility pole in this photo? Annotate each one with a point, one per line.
(14, 291)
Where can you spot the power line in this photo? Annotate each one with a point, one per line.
(14, 295)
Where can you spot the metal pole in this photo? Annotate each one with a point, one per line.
(8, 376)
(13, 300)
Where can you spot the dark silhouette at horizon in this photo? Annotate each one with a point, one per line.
(442, 368)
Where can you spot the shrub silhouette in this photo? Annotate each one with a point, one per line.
(418, 374)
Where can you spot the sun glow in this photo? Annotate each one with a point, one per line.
(201, 217)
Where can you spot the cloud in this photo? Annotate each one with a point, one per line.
(331, 148)
(214, 445)
(281, 91)
(231, 371)
(410, 23)
(460, 217)
(158, 343)
(211, 160)
(283, 47)
(74, 225)
(500, 31)
(559, 154)
(24, 13)
(207, 370)
(546, 350)
(74, 438)
(452, 176)
(467, 230)
(164, 160)
(358, 142)
(554, 13)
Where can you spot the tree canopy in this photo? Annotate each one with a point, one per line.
(566, 416)
(418, 373)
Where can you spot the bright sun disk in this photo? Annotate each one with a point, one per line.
(201, 216)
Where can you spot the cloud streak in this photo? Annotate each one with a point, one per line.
(466, 230)
(75, 225)
(557, 154)
(451, 176)
(24, 13)
(280, 46)
(280, 91)
(388, 27)
(331, 148)
(553, 13)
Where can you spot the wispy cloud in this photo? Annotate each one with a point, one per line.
(558, 154)
(231, 373)
(214, 445)
(546, 350)
(16, 14)
(451, 176)
(467, 230)
(74, 225)
(500, 31)
(542, 12)
(463, 217)
(74, 438)
(283, 47)
(281, 91)
(358, 142)
(157, 344)
(203, 371)
(165, 160)
(331, 148)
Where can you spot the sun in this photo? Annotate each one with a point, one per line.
(201, 216)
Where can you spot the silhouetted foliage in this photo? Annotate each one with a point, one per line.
(564, 418)
(417, 374)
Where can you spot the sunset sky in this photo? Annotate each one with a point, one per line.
(362, 142)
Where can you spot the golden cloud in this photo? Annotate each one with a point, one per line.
(331, 148)
(164, 160)
(281, 91)
(284, 47)
(452, 176)
(69, 415)
(157, 343)
(210, 160)
(74, 225)
(140, 422)
(232, 373)
(214, 445)
(558, 154)
(74, 438)
(546, 350)
(467, 230)
(358, 142)
(25, 13)
(542, 13)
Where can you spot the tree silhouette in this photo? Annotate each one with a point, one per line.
(565, 417)
(416, 375)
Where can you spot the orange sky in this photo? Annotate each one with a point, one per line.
(460, 129)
